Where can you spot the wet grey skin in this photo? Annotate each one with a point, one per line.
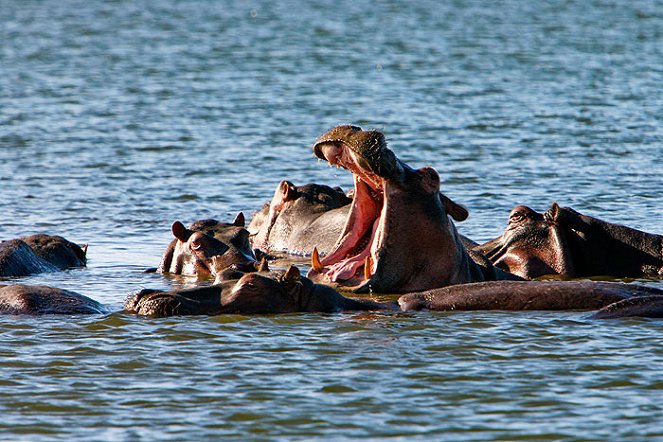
(399, 235)
(300, 218)
(564, 242)
(207, 247)
(39, 253)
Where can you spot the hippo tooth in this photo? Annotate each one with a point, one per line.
(315, 261)
(368, 263)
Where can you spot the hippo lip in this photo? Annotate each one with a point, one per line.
(353, 260)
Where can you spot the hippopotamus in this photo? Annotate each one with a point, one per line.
(299, 218)
(254, 293)
(289, 292)
(525, 295)
(562, 241)
(192, 250)
(39, 253)
(22, 299)
(399, 235)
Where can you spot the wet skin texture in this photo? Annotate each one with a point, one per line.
(21, 299)
(39, 253)
(288, 292)
(208, 247)
(525, 295)
(299, 218)
(564, 242)
(399, 235)
(254, 293)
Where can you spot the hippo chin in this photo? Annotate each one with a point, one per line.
(399, 235)
(253, 293)
(21, 299)
(39, 253)
(564, 242)
(299, 218)
(208, 247)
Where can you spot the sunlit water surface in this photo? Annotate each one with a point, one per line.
(117, 118)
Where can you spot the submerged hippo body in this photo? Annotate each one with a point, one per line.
(525, 295)
(21, 299)
(39, 253)
(289, 292)
(300, 218)
(564, 242)
(208, 247)
(253, 293)
(399, 235)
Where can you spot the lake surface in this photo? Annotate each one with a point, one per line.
(119, 117)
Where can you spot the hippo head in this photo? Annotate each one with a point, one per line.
(209, 246)
(254, 293)
(287, 208)
(398, 235)
(564, 242)
(532, 245)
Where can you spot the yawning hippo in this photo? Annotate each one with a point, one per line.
(21, 299)
(399, 235)
(192, 250)
(254, 293)
(39, 253)
(564, 242)
(300, 218)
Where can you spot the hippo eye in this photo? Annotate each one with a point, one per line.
(517, 216)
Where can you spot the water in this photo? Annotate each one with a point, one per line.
(117, 118)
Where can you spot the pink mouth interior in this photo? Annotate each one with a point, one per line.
(346, 262)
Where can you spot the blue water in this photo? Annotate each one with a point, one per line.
(119, 117)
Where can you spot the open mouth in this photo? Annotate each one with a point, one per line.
(353, 259)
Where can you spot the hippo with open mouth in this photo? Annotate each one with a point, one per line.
(399, 235)
(299, 218)
(207, 247)
(564, 242)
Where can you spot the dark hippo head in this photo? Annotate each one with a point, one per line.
(39, 253)
(57, 250)
(285, 224)
(207, 247)
(254, 293)
(399, 235)
(564, 242)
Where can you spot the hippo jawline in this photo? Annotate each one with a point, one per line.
(353, 260)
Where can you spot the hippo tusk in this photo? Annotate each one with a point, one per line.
(315, 261)
(368, 263)
(263, 267)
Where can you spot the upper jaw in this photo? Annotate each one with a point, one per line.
(364, 153)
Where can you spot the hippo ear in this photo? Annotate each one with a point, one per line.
(239, 220)
(292, 274)
(180, 232)
(288, 190)
(430, 179)
(455, 210)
